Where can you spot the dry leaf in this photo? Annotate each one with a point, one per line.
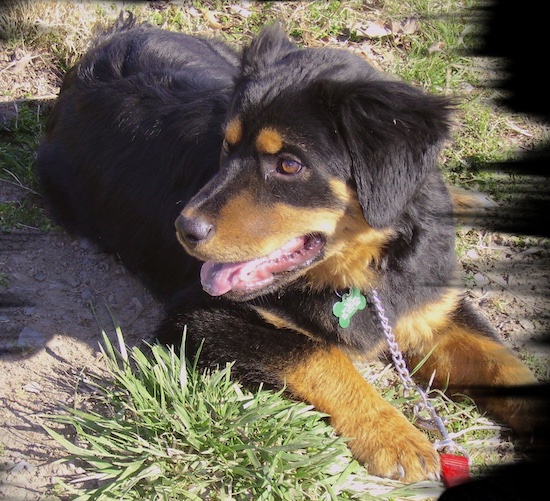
(480, 279)
(241, 11)
(19, 65)
(436, 47)
(32, 387)
(376, 30)
(409, 26)
(517, 129)
(528, 252)
(21, 465)
(211, 20)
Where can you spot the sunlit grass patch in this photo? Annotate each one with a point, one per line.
(161, 429)
(167, 431)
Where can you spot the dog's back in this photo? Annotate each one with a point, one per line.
(166, 95)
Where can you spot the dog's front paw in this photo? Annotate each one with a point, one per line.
(394, 448)
(379, 435)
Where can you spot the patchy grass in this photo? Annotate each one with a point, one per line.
(19, 139)
(16, 215)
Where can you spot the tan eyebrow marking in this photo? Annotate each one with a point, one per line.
(269, 141)
(234, 131)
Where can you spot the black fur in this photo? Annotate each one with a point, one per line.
(144, 103)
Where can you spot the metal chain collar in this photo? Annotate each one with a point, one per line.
(433, 422)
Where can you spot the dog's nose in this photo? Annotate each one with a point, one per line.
(194, 230)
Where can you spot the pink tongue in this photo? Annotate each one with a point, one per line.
(219, 278)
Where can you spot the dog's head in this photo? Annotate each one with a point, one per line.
(321, 156)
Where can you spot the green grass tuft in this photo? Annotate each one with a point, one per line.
(174, 433)
(19, 139)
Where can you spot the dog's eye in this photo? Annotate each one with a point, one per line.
(289, 167)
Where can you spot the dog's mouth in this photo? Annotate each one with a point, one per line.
(248, 279)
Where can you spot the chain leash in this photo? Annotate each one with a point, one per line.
(433, 422)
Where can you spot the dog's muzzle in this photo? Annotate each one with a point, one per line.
(193, 231)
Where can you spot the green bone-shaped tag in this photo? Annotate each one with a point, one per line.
(350, 304)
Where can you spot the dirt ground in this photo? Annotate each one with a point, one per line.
(48, 336)
(53, 285)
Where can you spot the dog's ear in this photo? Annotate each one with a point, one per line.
(270, 45)
(394, 133)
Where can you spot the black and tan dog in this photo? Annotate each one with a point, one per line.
(295, 175)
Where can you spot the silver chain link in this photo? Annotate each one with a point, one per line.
(433, 422)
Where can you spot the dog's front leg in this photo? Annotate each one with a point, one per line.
(463, 355)
(276, 354)
(381, 437)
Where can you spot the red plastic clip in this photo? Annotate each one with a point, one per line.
(455, 470)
